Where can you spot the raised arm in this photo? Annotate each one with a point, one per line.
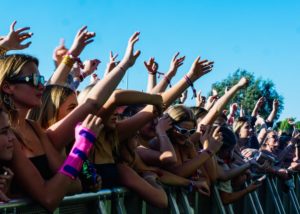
(273, 112)
(151, 67)
(82, 38)
(258, 106)
(61, 132)
(218, 107)
(198, 69)
(166, 80)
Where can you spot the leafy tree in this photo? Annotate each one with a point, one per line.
(248, 97)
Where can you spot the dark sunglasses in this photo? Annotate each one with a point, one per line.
(184, 131)
(34, 80)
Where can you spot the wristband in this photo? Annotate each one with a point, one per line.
(85, 139)
(210, 153)
(76, 59)
(190, 83)
(3, 51)
(68, 61)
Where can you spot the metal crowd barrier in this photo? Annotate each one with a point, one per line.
(270, 198)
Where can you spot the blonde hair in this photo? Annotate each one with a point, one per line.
(180, 113)
(237, 125)
(10, 67)
(53, 97)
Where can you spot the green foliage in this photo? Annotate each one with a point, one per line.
(248, 97)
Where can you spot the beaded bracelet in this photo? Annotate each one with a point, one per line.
(3, 51)
(190, 83)
(210, 153)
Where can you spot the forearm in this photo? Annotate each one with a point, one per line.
(168, 155)
(188, 168)
(173, 93)
(169, 178)
(60, 74)
(151, 82)
(228, 198)
(232, 173)
(272, 115)
(162, 85)
(218, 107)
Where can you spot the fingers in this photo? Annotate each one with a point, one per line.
(22, 29)
(25, 45)
(12, 26)
(137, 54)
(134, 38)
(176, 55)
(81, 30)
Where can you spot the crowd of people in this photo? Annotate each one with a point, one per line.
(57, 141)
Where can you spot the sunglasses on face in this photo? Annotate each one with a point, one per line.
(184, 131)
(34, 80)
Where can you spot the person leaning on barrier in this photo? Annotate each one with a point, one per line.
(228, 171)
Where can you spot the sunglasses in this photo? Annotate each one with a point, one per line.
(183, 131)
(34, 80)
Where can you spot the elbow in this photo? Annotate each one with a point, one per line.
(50, 204)
(168, 159)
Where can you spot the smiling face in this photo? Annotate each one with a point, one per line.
(6, 138)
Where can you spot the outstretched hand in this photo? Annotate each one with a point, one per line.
(130, 57)
(200, 68)
(13, 40)
(82, 39)
(175, 64)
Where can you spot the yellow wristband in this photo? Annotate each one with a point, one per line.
(3, 51)
(68, 61)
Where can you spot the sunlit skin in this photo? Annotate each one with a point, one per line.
(69, 104)
(272, 142)
(6, 138)
(178, 137)
(245, 131)
(21, 91)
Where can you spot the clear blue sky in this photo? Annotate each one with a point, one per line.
(262, 37)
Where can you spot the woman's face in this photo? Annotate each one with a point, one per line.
(24, 94)
(6, 138)
(272, 142)
(112, 120)
(148, 130)
(69, 104)
(245, 131)
(182, 131)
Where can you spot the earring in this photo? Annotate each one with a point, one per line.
(7, 100)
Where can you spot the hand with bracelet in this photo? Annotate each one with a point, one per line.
(201, 186)
(13, 40)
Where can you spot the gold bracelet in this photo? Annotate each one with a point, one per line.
(3, 51)
(68, 61)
